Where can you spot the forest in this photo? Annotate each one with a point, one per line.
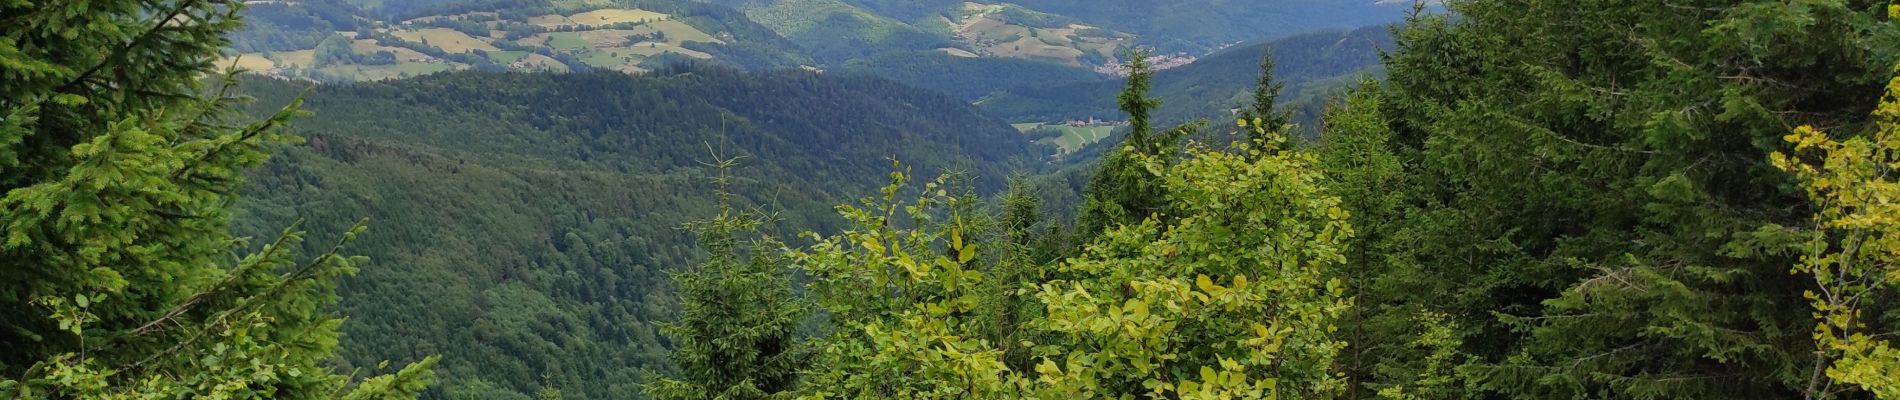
(1516, 200)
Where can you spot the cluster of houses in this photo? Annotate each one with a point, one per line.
(1158, 62)
(1092, 121)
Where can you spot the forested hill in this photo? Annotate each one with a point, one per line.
(1308, 64)
(523, 223)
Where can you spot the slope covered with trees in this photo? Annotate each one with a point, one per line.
(1692, 200)
(533, 217)
(970, 78)
(1310, 65)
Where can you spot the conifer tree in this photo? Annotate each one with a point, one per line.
(1587, 201)
(1017, 271)
(737, 335)
(1123, 191)
(1266, 96)
(118, 169)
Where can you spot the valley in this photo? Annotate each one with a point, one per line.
(949, 199)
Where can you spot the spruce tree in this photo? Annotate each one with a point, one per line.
(1123, 191)
(1266, 96)
(1018, 270)
(1587, 192)
(737, 335)
(118, 168)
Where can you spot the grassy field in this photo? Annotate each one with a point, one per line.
(433, 18)
(505, 57)
(537, 62)
(615, 49)
(250, 61)
(988, 29)
(652, 49)
(679, 32)
(566, 40)
(299, 58)
(615, 15)
(598, 17)
(448, 40)
(370, 46)
(1073, 138)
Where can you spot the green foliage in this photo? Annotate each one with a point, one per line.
(119, 171)
(901, 289)
(1310, 65)
(737, 334)
(1266, 96)
(528, 221)
(1232, 300)
(1591, 206)
(1854, 247)
(1124, 190)
(969, 78)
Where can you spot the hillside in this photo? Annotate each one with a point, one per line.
(1310, 65)
(354, 40)
(334, 40)
(1201, 25)
(1085, 34)
(524, 223)
(969, 78)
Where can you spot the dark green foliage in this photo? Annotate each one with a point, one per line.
(119, 168)
(969, 78)
(842, 37)
(277, 26)
(1026, 245)
(1584, 190)
(737, 334)
(1123, 191)
(531, 218)
(1266, 99)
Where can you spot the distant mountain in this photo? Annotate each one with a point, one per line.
(1073, 32)
(1200, 25)
(350, 40)
(1213, 85)
(523, 223)
(338, 40)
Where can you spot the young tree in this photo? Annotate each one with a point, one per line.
(902, 290)
(118, 171)
(1266, 96)
(1123, 191)
(1854, 251)
(1235, 300)
(737, 336)
(1012, 309)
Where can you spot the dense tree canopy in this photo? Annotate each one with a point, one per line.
(1584, 189)
(121, 277)
(1681, 200)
